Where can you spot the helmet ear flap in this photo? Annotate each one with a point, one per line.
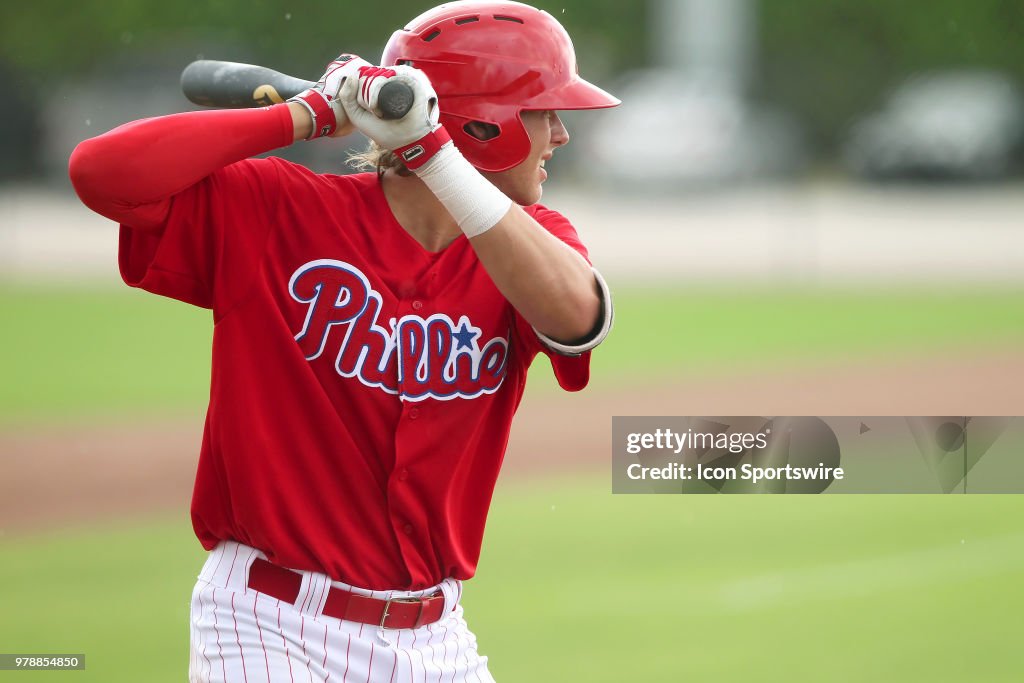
(499, 148)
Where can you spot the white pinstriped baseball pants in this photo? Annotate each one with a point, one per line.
(241, 636)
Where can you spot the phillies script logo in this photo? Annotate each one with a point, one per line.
(415, 358)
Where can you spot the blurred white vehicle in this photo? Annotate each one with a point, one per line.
(676, 129)
(954, 125)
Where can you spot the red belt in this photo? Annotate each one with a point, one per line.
(284, 584)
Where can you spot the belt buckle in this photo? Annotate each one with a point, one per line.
(409, 601)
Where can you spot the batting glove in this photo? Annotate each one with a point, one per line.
(424, 146)
(417, 136)
(322, 99)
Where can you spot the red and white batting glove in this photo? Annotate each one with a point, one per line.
(322, 99)
(424, 146)
(418, 131)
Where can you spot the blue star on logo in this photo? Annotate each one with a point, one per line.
(464, 337)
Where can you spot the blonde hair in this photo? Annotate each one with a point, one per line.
(378, 160)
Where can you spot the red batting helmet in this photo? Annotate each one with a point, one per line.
(489, 61)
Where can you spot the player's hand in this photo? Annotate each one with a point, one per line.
(321, 100)
(359, 98)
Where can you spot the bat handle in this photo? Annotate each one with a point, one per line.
(395, 100)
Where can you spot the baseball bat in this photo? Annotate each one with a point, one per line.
(234, 85)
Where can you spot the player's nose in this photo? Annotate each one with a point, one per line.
(559, 133)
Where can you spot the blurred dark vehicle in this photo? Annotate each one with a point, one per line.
(963, 125)
(20, 128)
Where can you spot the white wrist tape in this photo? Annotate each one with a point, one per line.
(473, 202)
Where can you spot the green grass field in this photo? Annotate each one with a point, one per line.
(75, 353)
(575, 584)
(578, 585)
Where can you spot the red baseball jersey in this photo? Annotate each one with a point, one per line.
(363, 388)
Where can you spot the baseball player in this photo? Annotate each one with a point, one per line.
(372, 335)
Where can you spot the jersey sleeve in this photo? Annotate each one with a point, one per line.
(570, 363)
(208, 248)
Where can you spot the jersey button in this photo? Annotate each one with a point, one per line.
(403, 474)
(417, 305)
(414, 413)
(407, 529)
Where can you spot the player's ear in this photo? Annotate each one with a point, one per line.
(482, 131)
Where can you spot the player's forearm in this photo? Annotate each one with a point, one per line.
(148, 161)
(550, 284)
(302, 121)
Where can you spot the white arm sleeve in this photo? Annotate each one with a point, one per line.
(600, 332)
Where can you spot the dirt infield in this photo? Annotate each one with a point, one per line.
(58, 477)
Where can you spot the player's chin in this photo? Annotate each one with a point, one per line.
(533, 191)
(519, 187)
(527, 196)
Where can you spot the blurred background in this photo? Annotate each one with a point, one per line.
(809, 207)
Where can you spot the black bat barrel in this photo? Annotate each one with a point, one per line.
(233, 85)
